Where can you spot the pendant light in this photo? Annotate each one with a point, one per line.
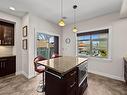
(74, 27)
(61, 21)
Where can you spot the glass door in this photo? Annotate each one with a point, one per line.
(46, 45)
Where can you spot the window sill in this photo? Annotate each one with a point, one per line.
(97, 58)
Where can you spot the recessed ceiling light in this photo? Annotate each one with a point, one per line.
(12, 8)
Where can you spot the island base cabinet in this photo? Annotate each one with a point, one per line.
(54, 85)
(64, 85)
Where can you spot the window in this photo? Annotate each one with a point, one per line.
(94, 43)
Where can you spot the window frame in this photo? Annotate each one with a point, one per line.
(93, 32)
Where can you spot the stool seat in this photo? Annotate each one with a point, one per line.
(40, 69)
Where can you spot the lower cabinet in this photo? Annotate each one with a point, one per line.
(7, 65)
(65, 85)
(125, 70)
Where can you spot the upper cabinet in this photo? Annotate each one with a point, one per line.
(6, 34)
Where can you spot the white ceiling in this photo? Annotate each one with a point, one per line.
(50, 9)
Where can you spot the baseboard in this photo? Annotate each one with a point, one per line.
(107, 75)
(31, 76)
(26, 75)
(18, 73)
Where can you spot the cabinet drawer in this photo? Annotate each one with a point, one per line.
(72, 91)
(71, 80)
(71, 85)
(72, 73)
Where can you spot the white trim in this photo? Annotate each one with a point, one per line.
(107, 75)
(22, 72)
(26, 75)
(18, 73)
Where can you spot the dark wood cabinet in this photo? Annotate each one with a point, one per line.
(125, 70)
(7, 65)
(61, 85)
(6, 34)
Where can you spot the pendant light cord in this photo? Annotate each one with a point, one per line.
(61, 9)
(74, 17)
(75, 7)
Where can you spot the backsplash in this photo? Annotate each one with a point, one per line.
(6, 50)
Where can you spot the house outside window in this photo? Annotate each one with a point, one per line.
(93, 43)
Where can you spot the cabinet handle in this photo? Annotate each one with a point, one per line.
(73, 84)
(53, 74)
(73, 73)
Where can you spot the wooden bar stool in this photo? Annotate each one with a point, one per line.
(40, 69)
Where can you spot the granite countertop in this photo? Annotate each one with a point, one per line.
(63, 64)
(6, 55)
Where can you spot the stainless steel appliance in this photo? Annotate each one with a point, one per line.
(82, 72)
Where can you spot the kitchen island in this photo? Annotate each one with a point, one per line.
(65, 75)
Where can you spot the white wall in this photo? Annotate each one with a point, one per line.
(37, 24)
(16, 49)
(25, 61)
(118, 28)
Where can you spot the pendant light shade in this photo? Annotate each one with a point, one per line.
(75, 28)
(61, 21)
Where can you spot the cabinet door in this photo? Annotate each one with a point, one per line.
(7, 66)
(8, 35)
(2, 68)
(1, 34)
(10, 66)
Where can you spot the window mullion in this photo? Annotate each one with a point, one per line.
(91, 45)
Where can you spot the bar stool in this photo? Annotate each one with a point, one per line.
(40, 69)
